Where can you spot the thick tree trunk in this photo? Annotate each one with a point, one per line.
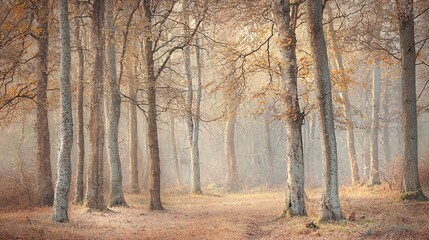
(175, 152)
(62, 187)
(344, 94)
(95, 191)
(410, 186)
(152, 129)
(132, 139)
(330, 209)
(295, 204)
(374, 174)
(43, 163)
(113, 111)
(80, 124)
(232, 180)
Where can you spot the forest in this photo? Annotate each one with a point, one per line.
(214, 119)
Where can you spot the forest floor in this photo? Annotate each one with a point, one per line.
(371, 212)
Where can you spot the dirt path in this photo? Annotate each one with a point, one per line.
(237, 216)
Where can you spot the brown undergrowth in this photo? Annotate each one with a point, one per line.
(371, 213)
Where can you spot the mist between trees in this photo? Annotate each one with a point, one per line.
(102, 99)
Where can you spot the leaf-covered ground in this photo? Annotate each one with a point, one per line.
(374, 213)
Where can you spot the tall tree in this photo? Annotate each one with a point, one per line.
(80, 124)
(196, 179)
(410, 186)
(386, 135)
(374, 174)
(44, 176)
(344, 95)
(132, 133)
(269, 151)
(330, 208)
(62, 187)
(233, 103)
(175, 153)
(191, 120)
(95, 191)
(286, 16)
(112, 112)
(152, 129)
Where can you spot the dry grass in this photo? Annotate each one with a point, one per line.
(236, 216)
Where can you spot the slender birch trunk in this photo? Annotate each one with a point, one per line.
(62, 187)
(191, 120)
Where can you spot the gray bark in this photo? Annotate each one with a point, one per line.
(95, 191)
(269, 152)
(62, 187)
(294, 202)
(43, 162)
(175, 152)
(344, 95)
(386, 136)
(112, 112)
(80, 124)
(132, 133)
(195, 159)
(191, 121)
(374, 174)
(410, 186)
(330, 209)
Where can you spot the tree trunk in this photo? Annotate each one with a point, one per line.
(62, 187)
(152, 129)
(175, 153)
(43, 164)
(269, 152)
(195, 159)
(132, 132)
(344, 95)
(80, 125)
(374, 175)
(386, 137)
(191, 121)
(295, 204)
(95, 191)
(232, 180)
(330, 209)
(113, 111)
(410, 186)
(314, 145)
